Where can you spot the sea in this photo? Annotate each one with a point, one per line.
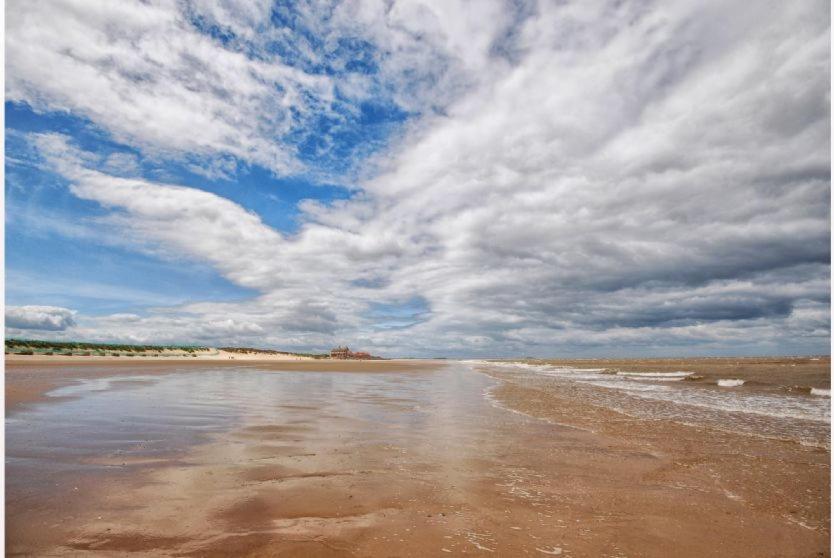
(778, 408)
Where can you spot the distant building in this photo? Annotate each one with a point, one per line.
(343, 353)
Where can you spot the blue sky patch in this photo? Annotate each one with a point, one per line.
(50, 233)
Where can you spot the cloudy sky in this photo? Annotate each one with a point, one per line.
(421, 178)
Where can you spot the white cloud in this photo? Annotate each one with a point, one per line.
(42, 318)
(140, 71)
(613, 176)
(122, 164)
(147, 74)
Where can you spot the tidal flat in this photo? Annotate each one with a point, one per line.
(416, 458)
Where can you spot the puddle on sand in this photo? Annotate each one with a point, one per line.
(143, 417)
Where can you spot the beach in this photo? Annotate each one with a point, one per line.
(417, 458)
(203, 355)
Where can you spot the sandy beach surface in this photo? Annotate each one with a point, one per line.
(211, 355)
(418, 458)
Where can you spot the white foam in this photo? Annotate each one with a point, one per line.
(729, 400)
(748, 411)
(627, 386)
(730, 383)
(656, 376)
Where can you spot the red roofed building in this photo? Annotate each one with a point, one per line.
(342, 353)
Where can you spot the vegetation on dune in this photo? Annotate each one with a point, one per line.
(81, 348)
(251, 350)
(33, 344)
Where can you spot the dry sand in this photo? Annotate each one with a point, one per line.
(416, 462)
(164, 356)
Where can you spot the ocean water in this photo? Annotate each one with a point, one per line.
(776, 411)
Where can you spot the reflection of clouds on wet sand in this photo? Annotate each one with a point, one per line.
(236, 460)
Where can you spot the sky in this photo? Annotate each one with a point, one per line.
(421, 178)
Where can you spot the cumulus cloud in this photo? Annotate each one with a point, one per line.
(598, 176)
(43, 318)
(142, 72)
(217, 83)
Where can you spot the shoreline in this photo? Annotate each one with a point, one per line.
(792, 485)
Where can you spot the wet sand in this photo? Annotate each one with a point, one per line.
(28, 379)
(426, 459)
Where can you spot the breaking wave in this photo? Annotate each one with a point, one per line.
(802, 415)
(730, 383)
(656, 376)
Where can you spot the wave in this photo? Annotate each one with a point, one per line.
(759, 412)
(656, 376)
(730, 383)
(808, 390)
(626, 386)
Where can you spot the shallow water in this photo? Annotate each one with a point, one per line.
(147, 416)
(116, 425)
(728, 404)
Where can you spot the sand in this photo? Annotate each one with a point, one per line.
(412, 461)
(211, 355)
